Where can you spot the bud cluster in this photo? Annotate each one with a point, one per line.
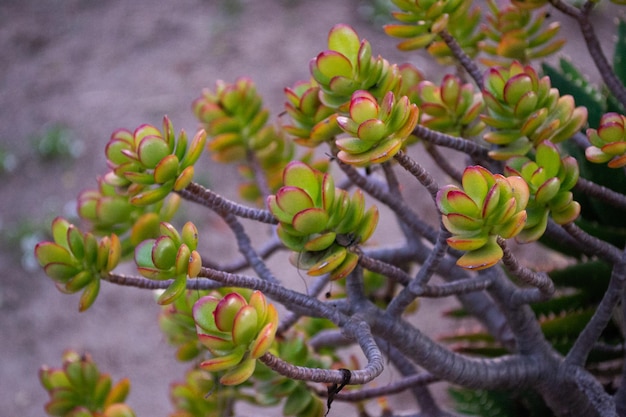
(319, 221)
(488, 206)
(75, 260)
(236, 330)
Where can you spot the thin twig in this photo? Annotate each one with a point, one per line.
(245, 247)
(541, 281)
(595, 246)
(452, 142)
(396, 387)
(260, 178)
(399, 207)
(600, 192)
(418, 172)
(397, 306)
(442, 162)
(198, 194)
(383, 268)
(265, 251)
(594, 47)
(362, 334)
(467, 63)
(314, 290)
(464, 286)
(604, 312)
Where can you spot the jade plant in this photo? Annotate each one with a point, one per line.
(543, 153)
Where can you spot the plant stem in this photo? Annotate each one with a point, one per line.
(602, 193)
(467, 63)
(198, 194)
(539, 280)
(399, 207)
(418, 172)
(613, 84)
(361, 332)
(604, 312)
(452, 142)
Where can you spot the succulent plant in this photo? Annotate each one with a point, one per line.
(236, 330)
(75, 260)
(451, 108)
(513, 33)
(377, 132)
(111, 212)
(299, 399)
(464, 27)
(410, 77)
(190, 398)
(524, 111)
(488, 206)
(78, 389)
(422, 20)
(312, 122)
(176, 322)
(233, 116)
(348, 66)
(550, 179)
(171, 255)
(608, 141)
(150, 164)
(320, 222)
(272, 160)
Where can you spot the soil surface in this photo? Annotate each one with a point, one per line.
(91, 67)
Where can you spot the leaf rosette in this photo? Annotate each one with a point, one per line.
(312, 122)
(550, 179)
(172, 255)
(78, 389)
(421, 20)
(176, 322)
(233, 116)
(76, 260)
(348, 66)
(451, 107)
(524, 110)
(517, 33)
(377, 132)
(608, 141)
(236, 330)
(489, 205)
(110, 211)
(320, 222)
(149, 164)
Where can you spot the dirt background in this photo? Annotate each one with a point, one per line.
(94, 66)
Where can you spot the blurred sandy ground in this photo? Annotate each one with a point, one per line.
(97, 66)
